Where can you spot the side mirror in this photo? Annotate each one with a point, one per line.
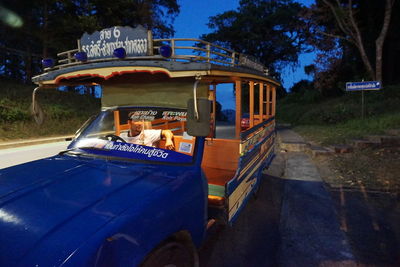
(199, 126)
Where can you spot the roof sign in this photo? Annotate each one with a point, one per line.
(360, 86)
(247, 61)
(101, 44)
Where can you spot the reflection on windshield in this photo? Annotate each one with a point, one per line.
(157, 134)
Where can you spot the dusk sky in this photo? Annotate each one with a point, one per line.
(192, 22)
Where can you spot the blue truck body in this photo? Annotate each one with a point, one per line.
(108, 202)
(77, 210)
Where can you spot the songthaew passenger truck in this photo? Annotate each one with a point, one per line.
(109, 201)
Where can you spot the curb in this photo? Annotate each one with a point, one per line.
(294, 146)
(29, 142)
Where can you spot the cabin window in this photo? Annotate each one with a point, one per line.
(255, 103)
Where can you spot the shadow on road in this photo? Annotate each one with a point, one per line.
(253, 240)
(371, 221)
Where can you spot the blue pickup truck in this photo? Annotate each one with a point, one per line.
(108, 201)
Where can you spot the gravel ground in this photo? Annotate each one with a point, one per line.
(365, 187)
(375, 169)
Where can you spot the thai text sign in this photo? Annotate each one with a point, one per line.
(248, 144)
(166, 114)
(360, 86)
(246, 61)
(101, 44)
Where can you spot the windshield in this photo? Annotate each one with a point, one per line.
(150, 133)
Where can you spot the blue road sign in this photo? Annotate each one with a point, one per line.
(360, 86)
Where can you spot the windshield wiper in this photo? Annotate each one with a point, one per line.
(75, 148)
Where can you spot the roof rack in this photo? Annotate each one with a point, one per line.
(182, 50)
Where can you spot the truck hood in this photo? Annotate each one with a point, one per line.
(79, 196)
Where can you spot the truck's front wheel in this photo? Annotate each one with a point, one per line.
(170, 254)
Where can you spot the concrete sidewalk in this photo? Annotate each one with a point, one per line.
(309, 227)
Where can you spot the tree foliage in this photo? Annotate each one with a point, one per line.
(346, 22)
(355, 40)
(269, 30)
(51, 26)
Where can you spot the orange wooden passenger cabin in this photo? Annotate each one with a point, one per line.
(233, 157)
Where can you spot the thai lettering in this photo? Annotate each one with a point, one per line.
(102, 44)
(102, 48)
(133, 148)
(174, 115)
(256, 138)
(147, 115)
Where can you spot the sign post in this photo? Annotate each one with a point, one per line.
(363, 86)
(362, 105)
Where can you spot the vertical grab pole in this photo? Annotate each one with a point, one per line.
(268, 101)
(36, 111)
(214, 108)
(273, 100)
(238, 90)
(34, 100)
(251, 104)
(196, 111)
(261, 102)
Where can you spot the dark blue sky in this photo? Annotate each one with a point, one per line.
(191, 23)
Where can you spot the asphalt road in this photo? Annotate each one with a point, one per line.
(225, 130)
(254, 239)
(14, 156)
(371, 221)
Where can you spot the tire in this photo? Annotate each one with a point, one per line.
(170, 254)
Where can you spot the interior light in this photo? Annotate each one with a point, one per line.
(165, 51)
(48, 62)
(81, 56)
(120, 52)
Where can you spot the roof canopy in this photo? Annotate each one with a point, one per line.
(152, 92)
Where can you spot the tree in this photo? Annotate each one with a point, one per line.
(157, 15)
(269, 30)
(302, 86)
(51, 26)
(344, 14)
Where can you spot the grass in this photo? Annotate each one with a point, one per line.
(29, 129)
(64, 112)
(334, 121)
(351, 129)
(338, 120)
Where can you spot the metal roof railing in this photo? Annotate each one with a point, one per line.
(183, 50)
(199, 50)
